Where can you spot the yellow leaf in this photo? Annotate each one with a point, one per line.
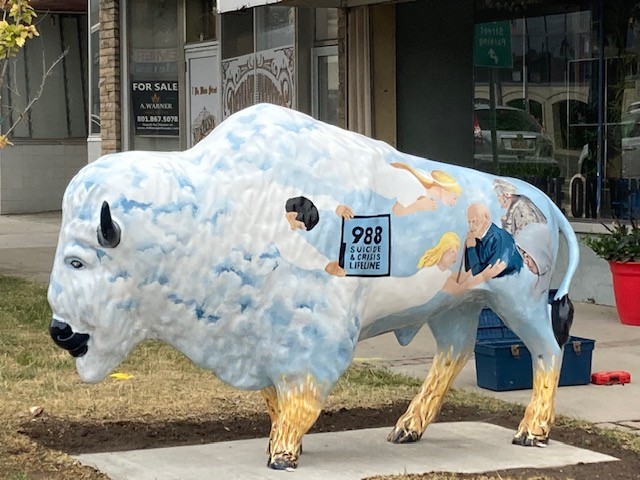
(4, 141)
(121, 376)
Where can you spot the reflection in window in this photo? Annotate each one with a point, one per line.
(200, 20)
(534, 109)
(533, 137)
(594, 128)
(274, 27)
(511, 120)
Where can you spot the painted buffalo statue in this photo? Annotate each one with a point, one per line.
(268, 250)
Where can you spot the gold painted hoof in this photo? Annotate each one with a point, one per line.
(283, 461)
(525, 440)
(400, 435)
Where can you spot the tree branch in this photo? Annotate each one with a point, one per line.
(38, 94)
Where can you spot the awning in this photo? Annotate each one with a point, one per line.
(60, 5)
(232, 5)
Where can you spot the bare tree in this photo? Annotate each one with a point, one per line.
(16, 27)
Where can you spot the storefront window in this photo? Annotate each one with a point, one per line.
(274, 27)
(200, 21)
(52, 116)
(258, 61)
(237, 34)
(325, 90)
(94, 67)
(575, 76)
(154, 54)
(326, 24)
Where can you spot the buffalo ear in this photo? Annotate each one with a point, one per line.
(108, 230)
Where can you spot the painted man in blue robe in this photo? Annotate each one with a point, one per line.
(487, 243)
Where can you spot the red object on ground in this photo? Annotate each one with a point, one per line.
(626, 285)
(611, 378)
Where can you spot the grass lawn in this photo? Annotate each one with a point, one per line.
(163, 386)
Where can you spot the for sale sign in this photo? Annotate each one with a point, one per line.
(155, 108)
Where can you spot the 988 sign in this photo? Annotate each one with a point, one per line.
(366, 246)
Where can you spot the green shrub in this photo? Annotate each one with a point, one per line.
(622, 244)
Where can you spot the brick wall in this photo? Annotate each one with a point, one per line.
(110, 107)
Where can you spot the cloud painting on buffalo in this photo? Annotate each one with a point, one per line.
(269, 249)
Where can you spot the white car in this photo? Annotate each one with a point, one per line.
(523, 146)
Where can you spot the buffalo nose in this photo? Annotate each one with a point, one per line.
(66, 338)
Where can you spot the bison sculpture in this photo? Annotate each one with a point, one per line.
(268, 250)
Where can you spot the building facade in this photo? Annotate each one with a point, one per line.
(171, 70)
(537, 89)
(50, 139)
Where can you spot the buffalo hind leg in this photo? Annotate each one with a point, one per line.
(455, 333)
(539, 415)
(425, 406)
(534, 327)
(297, 407)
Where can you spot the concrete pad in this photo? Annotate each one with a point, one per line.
(466, 447)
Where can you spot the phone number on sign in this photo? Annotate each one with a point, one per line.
(157, 118)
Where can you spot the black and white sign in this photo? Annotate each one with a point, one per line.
(366, 246)
(155, 108)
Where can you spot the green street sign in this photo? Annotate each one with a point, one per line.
(492, 45)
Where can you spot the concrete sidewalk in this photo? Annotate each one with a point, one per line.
(465, 447)
(27, 246)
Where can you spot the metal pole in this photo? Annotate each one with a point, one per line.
(602, 155)
(492, 120)
(525, 85)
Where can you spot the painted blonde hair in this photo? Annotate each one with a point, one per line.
(446, 181)
(438, 177)
(432, 256)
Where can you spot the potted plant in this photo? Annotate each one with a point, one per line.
(621, 248)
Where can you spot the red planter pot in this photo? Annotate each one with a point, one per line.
(626, 288)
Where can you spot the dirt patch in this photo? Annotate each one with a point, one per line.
(90, 437)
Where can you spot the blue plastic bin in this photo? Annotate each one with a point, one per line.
(506, 364)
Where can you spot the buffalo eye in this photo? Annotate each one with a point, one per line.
(77, 264)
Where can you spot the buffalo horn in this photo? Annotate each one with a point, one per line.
(108, 231)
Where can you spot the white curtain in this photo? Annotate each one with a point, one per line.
(358, 71)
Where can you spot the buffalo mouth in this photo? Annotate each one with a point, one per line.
(65, 337)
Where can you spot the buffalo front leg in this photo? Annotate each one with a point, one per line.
(425, 406)
(273, 409)
(298, 406)
(455, 334)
